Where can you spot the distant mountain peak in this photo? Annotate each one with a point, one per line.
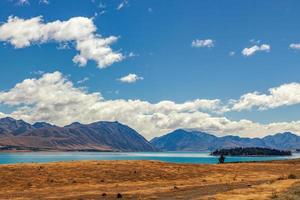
(181, 131)
(42, 125)
(283, 134)
(98, 136)
(12, 120)
(15, 127)
(74, 124)
(7, 119)
(288, 133)
(184, 140)
(107, 122)
(190, 131)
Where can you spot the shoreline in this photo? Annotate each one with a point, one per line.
(159, 161)
(44, 157)
(108, 151)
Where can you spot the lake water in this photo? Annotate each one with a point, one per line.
(176, 157)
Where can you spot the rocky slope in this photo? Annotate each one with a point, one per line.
(98, 136)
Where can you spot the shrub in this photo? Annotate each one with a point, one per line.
(292, 176)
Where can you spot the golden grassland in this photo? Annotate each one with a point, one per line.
(82, 180)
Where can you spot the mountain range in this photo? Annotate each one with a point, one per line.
(183, 140)
(114, 136)
(98, 136)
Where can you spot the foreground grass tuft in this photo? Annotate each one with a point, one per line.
(292, 176)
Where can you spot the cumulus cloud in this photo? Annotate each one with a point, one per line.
(130, 78)
(203, 43)
(256, 48)
(53, 98)
(284, 95)
(22, 33)
(46, 89)
(295, 46)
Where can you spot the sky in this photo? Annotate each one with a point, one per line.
(224, 67)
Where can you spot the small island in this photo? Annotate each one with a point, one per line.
(251, 151)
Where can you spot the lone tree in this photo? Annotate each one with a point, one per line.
(221, 159)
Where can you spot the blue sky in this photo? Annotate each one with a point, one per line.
(160, 34)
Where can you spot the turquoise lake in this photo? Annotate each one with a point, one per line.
(176, 157)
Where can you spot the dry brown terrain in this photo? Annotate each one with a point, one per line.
(150, 180)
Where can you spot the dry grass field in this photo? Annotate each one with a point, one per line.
(150, 180)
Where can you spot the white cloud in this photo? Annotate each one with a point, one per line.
(38, 72)
(2, 115)
(22, 2)
(81, 30)
(284, 95)
(203, 43)
(101, 5)
(85, 79)
(131, 54)
(295, 46)
(46, 2)
(99, 13)
(27, 2)
(256, 48)
(53, 98)
(254, 41)
(46, 90)
(130, 78)
(122, 4)
(63, 46)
